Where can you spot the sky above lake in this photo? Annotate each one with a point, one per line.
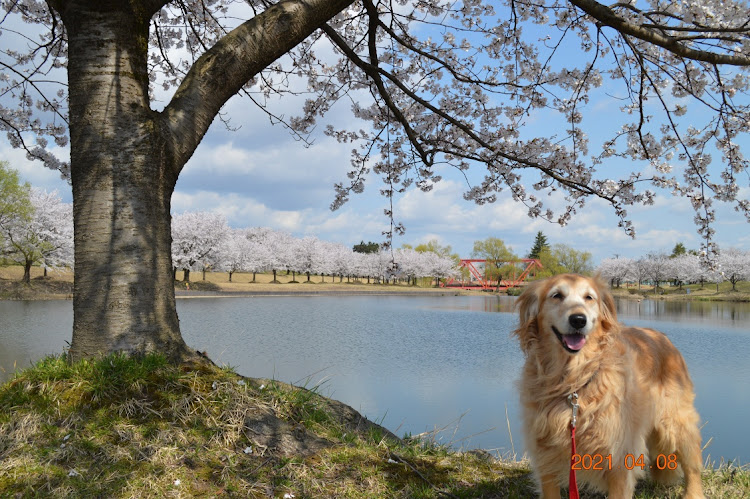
(258, 175)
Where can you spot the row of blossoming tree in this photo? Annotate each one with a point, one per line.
(733, 265)
(204, 241)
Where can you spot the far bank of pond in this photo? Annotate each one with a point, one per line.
(59, 285)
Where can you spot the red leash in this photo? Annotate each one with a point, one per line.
(572, 484)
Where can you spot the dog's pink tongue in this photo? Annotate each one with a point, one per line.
(574, 341)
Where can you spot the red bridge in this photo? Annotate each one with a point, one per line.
(520, 270)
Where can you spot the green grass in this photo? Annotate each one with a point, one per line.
(141, 427)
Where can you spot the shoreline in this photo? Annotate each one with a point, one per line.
(13, 291)
(59, 286)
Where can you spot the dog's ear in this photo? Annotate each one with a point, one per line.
(528, 309)
(607, 306)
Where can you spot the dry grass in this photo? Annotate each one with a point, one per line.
(707, 292)
(124, 427)
(290, 284)
(15, 273)
(57, 285)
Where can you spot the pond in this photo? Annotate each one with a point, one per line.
(420, 363)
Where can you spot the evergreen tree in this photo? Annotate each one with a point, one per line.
(540, 244)
(369, 247)
(679, 249)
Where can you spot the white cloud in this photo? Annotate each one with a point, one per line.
(35, 172)
(240, 211)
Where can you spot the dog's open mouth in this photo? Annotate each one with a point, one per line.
(570, 342)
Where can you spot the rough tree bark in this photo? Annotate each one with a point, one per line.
(126, 158)
(123, 175)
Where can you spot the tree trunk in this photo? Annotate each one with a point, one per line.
(123, 298)
(125, 158)
(185, 274)
(27, 271)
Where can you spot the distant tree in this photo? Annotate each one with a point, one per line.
(658, 268)
(540, 243)
(326, 260)
(342, 260)
(433, 246)
(259, 254)
(309, 254)
(44, 237)
(196, 237)
(14, 196)
(573, 260)
(685, 268)
(561, 259)
(446, 263)
(616, 270)
(280, 252)
(550, 264)
(233, 252)
(734, 265)
(639, 270)
(679, 249)
(497, 255)
(369, 247)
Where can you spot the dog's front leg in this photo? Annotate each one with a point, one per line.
(620, 484)
(550, 489)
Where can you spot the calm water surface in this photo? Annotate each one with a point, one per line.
(417, 364)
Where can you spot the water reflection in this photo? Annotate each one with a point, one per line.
(731, 314)
(728, 313)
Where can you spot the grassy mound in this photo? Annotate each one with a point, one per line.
(141, 427)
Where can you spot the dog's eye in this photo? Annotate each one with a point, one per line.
(588, 297)
(557, 295)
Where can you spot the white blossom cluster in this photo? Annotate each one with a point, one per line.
(732, 265)
(43, 238)
(458, 86)
(204, 241)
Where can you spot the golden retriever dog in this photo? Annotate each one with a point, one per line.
(635, 409)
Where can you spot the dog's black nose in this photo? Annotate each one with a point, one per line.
(578, 321)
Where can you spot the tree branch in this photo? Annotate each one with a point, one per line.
(608, 17)
(223, 70)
